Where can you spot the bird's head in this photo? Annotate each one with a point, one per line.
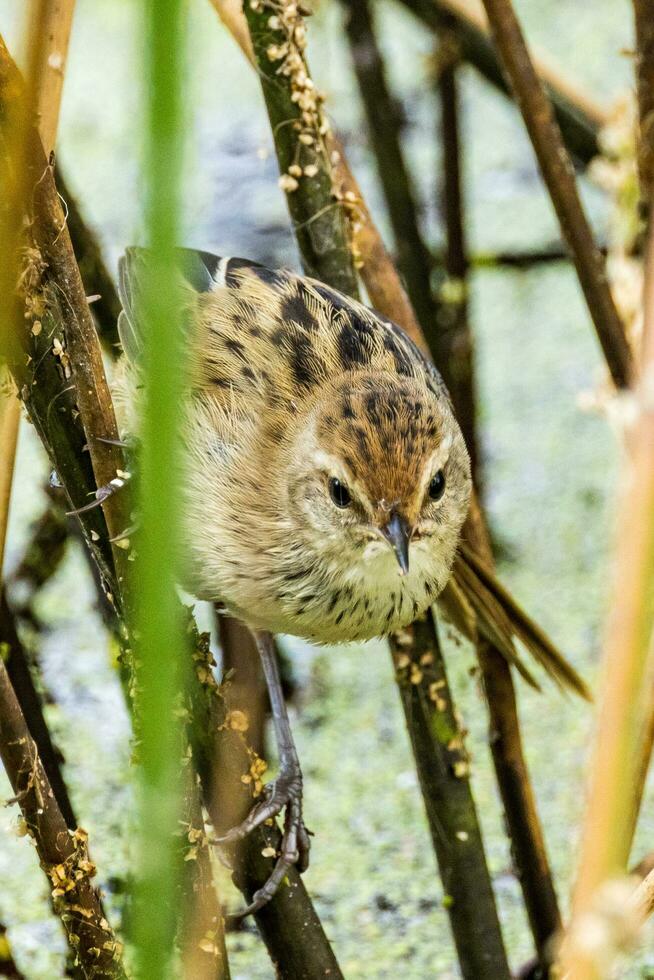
(381, 471)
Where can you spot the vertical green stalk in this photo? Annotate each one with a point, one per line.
(159, 635)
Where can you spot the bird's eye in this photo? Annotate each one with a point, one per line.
(339, 493)
(437, 486)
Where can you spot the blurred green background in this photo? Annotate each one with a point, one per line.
(550, 473)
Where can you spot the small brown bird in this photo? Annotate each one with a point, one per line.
(325, 480)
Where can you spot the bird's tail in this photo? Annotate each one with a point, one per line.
(478, 604)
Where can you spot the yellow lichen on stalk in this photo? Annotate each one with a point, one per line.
(314, 149)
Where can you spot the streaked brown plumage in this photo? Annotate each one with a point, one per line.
(325, 480)
(294, 386)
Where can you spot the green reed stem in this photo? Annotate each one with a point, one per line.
(160, 642)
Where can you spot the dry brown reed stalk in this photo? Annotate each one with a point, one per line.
(559, 178)
(579, 116)
(202, 940)
(230, 773)
(453, 318)
(628, 669)
(58, 335)
(48, 33)
(18, 668)
(644, 23)
(422, 275)
(63, 853)
(105, 305)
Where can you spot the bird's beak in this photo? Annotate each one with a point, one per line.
(398, 534)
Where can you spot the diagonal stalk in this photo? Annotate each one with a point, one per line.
(559, 178)
(577, 113)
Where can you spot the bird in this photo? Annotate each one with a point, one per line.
(325, 482)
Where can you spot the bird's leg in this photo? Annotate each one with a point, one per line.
(283, 792)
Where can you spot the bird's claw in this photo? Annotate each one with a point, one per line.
(285, 792)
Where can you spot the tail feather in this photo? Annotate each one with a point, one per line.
(490, 619)
(501, 620)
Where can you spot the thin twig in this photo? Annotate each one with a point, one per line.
(49, 33)
(453, 318)
(20, 675)
(559, 177)
(578, 115)
(93, 270)
(385, 128)
(230, 773)
(644, 22)
(63, 854)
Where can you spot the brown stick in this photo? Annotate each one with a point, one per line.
(18, 669)
(384, 125)
(247, 687)
(63, 854)
(644, 22)
(55, 24)
(559, 178)
(453, 318)
(58, 318)
(95, 275)
(578, 115)
(229, 772)
(628, 670)
(48, 45)
(9, 422)
(444, 770)
(204, 955)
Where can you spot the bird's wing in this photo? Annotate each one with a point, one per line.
(200, 272)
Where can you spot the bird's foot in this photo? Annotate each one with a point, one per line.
(283, 793)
